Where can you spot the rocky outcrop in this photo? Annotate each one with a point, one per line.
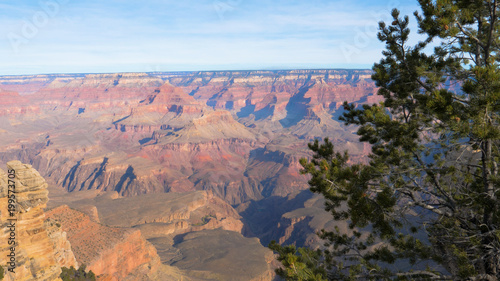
(158, 215)
(163, 219)
(39, 250)
(111, 253)
(62, 247)
(62, 237)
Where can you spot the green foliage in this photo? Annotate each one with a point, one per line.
(72, 274)
(300, 265)
(429, 194)
(205, 220)
(1, 273)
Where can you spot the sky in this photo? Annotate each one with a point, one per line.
(104, 36)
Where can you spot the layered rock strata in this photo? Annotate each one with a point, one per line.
(196, 218)
(156, 215)
(239, 133)
(39, 251)
(111, 253)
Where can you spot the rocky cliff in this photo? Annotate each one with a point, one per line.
(171, 222)
(238, 134)
(293, 219)
(38, 250)
(111, 253)
(155, 214)
(43, 242)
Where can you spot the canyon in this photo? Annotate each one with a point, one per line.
(47, 238)
(169, 162)
(239, 134)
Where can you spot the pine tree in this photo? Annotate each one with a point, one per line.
(429, 194)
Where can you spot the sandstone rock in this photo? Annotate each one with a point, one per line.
(43, 245)
(37, 255)
(62, 247)
(111, 253)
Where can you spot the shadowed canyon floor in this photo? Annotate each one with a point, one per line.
(171, 162)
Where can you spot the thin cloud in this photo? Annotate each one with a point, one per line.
(102, 36)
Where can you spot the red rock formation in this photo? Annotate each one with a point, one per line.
(11, 103)
(135, 133)
(35, 246)
(111, 253)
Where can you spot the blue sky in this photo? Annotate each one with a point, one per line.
(74, 36)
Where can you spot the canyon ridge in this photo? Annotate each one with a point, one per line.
(164, 163)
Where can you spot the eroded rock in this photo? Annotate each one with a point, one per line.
(39, 251)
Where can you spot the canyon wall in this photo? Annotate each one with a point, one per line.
(35, 244)
(37, 251)
(111, 253)
(167, 221)
(237, 134)
(153, 164)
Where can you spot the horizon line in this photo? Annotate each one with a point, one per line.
(183, 71)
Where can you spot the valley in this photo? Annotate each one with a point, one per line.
(170, 162)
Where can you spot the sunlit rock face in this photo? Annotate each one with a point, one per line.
(41, 249)
(111, 253)
(63, 237)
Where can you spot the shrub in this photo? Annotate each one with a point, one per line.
(72, 274)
